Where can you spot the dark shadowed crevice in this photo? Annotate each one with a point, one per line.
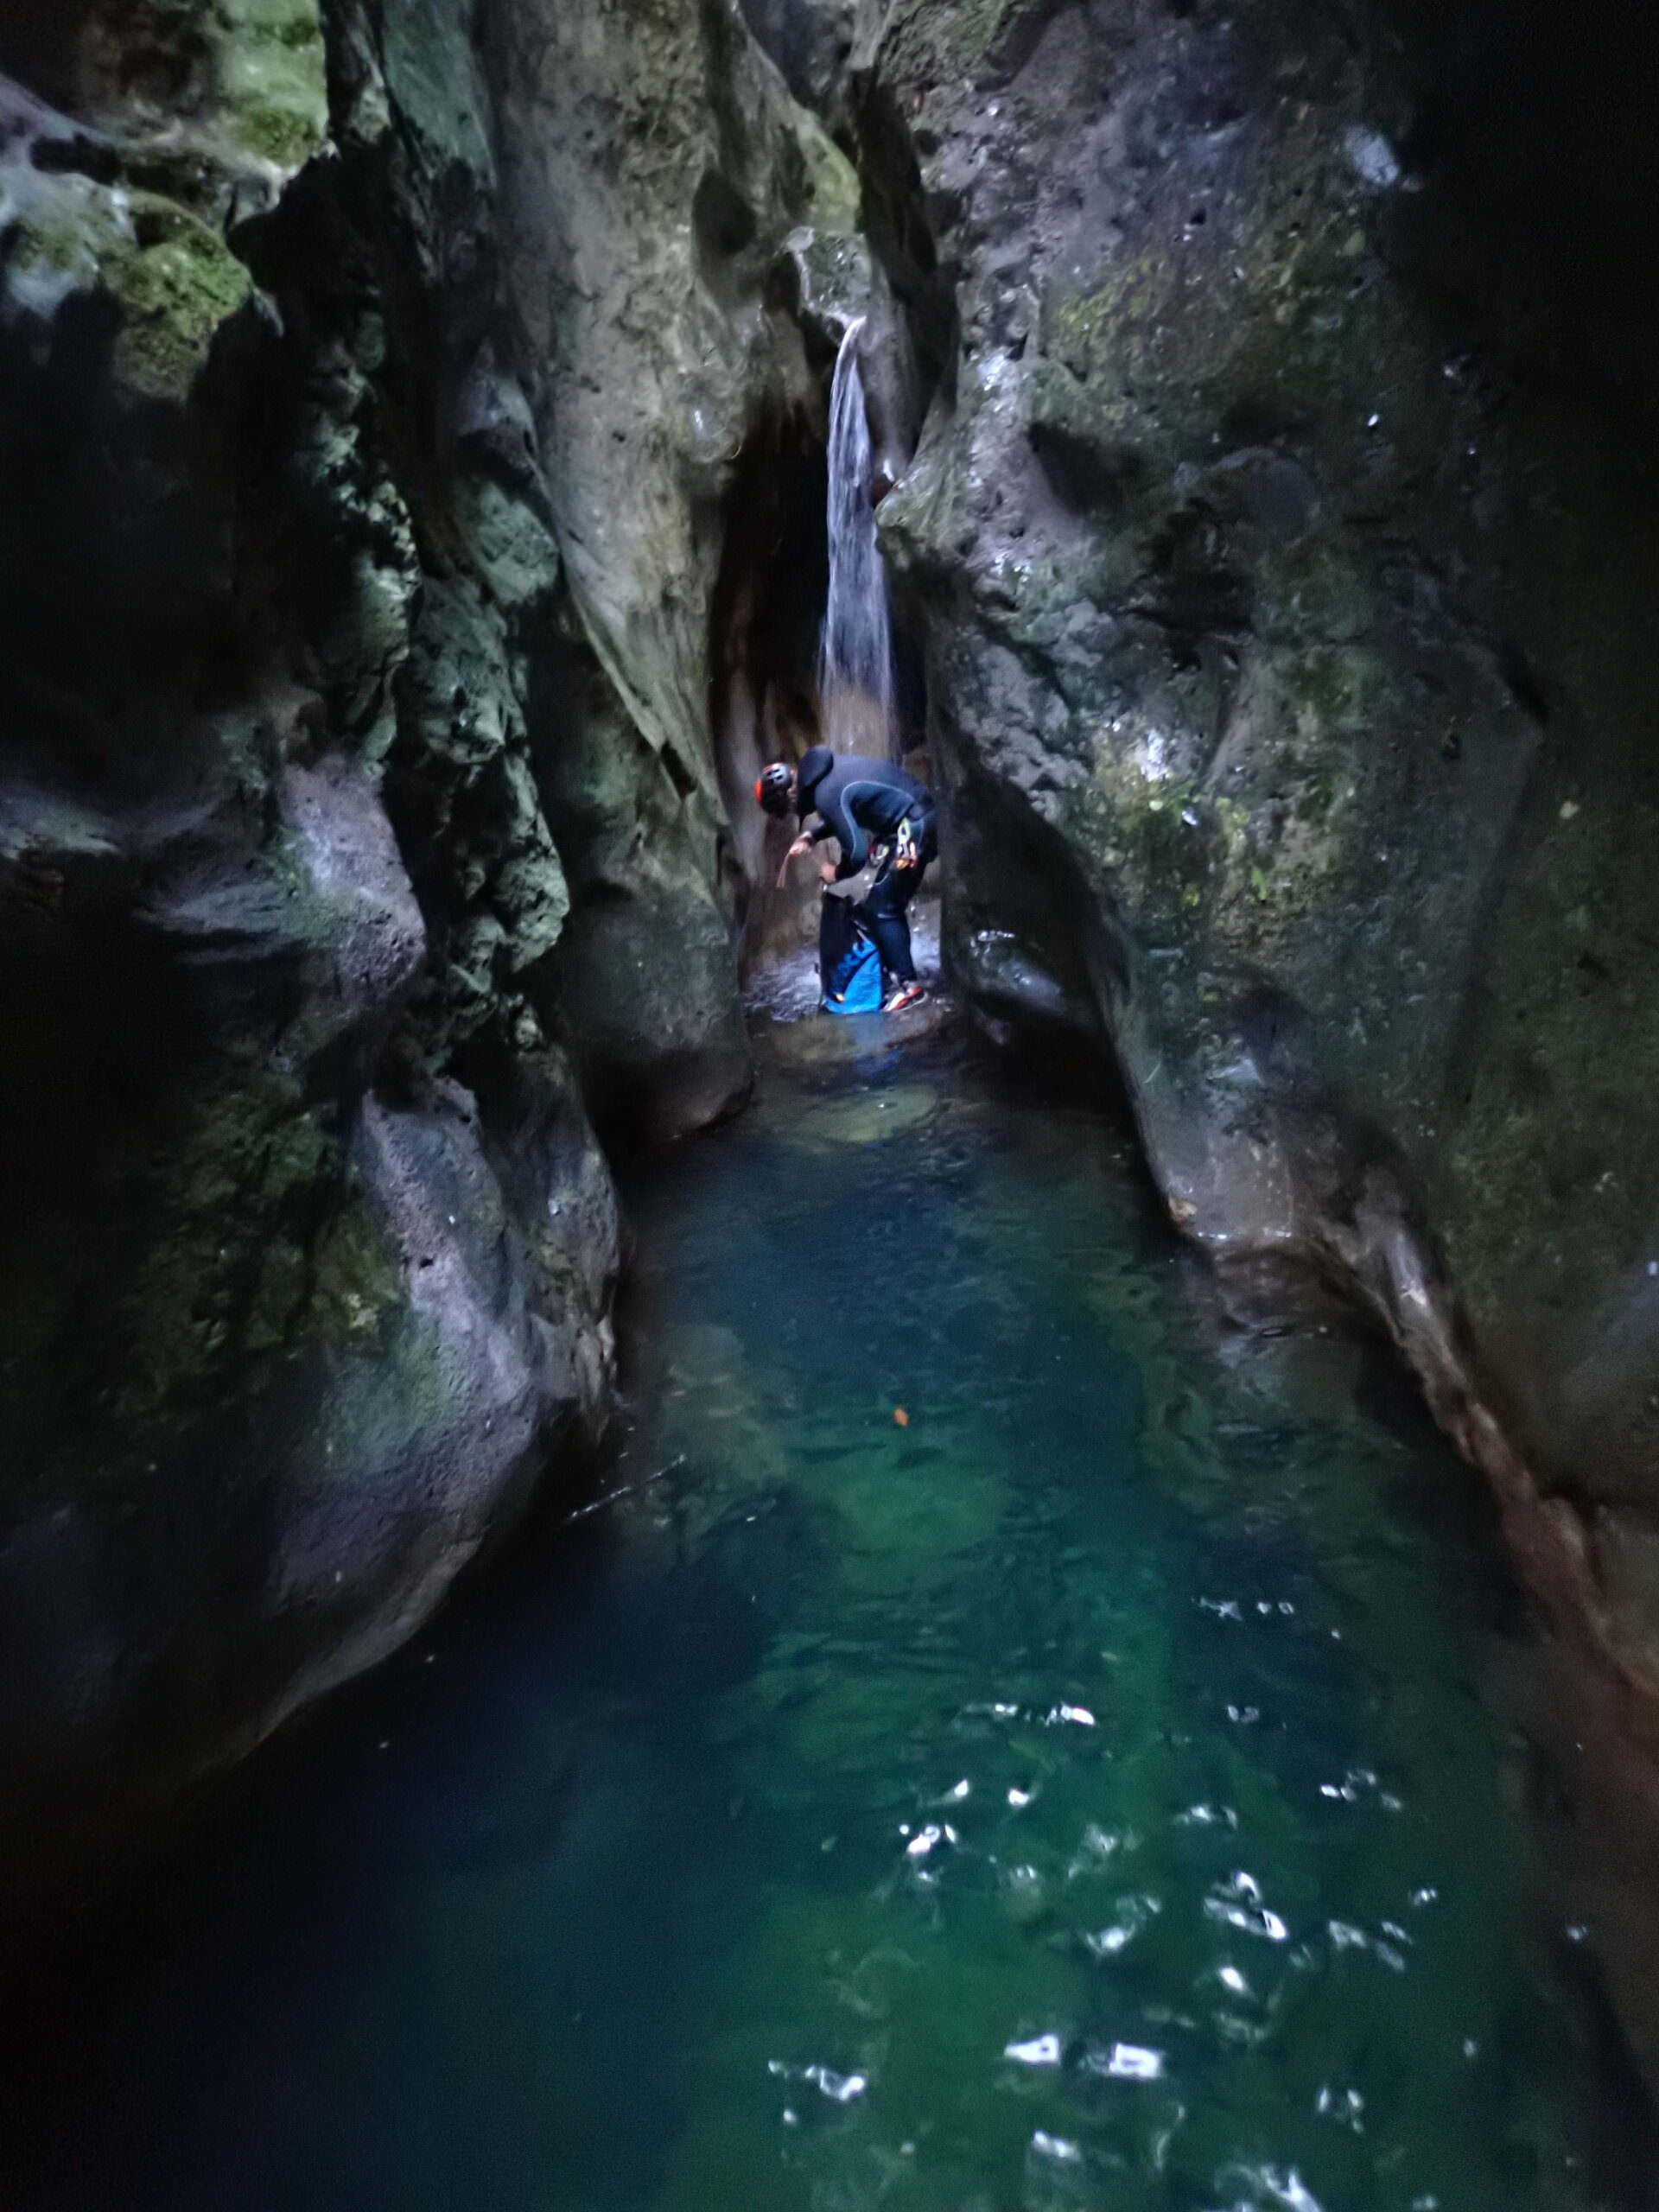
(1022, 937)
(897, 224)
(767, 607)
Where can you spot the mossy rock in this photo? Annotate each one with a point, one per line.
(263, 1247)
(172, 278)
(240, 78)
(272, 84)
(926, 38)
(1544, 1186)
(178, 285)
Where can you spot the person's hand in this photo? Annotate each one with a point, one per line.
(826, 871)
(801, 845)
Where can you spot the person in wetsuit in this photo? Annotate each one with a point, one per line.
(864, 804)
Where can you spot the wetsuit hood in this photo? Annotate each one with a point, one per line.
(816, 763)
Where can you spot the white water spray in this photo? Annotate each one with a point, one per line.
(855, 649)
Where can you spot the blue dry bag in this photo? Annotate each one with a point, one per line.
(849, 967)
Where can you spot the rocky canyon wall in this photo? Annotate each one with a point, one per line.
(372, 380)
(408, 414)
(1284, 536)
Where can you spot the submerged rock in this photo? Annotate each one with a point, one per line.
(893, 1111)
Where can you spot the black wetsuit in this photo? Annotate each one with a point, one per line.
(863, 802)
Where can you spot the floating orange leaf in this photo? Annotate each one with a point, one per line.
(902, 1417)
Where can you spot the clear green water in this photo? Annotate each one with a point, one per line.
(1090, 1795)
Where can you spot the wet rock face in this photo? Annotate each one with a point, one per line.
(653, 167)
(387, 395)
(810, 40)
(1284, 533)
(360, 839)
(309, 1243)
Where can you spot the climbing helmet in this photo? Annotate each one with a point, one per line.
(773, 787)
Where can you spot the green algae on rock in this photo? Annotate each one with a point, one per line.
(178, 285)
(198, 84)
(1236, 609)
(271, 78)
(387, 686)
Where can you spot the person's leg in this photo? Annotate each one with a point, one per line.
(834, 939)
(884, 912)
(884, 908)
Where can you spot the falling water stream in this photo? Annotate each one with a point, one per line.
(1090, 1790)
(855, 649)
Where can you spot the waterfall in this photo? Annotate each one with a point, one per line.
(856, 650)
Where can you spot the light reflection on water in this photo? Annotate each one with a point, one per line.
(1081, 1797)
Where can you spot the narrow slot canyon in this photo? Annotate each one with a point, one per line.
(622, 1584)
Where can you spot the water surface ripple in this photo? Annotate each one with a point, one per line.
(1091, 1791)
